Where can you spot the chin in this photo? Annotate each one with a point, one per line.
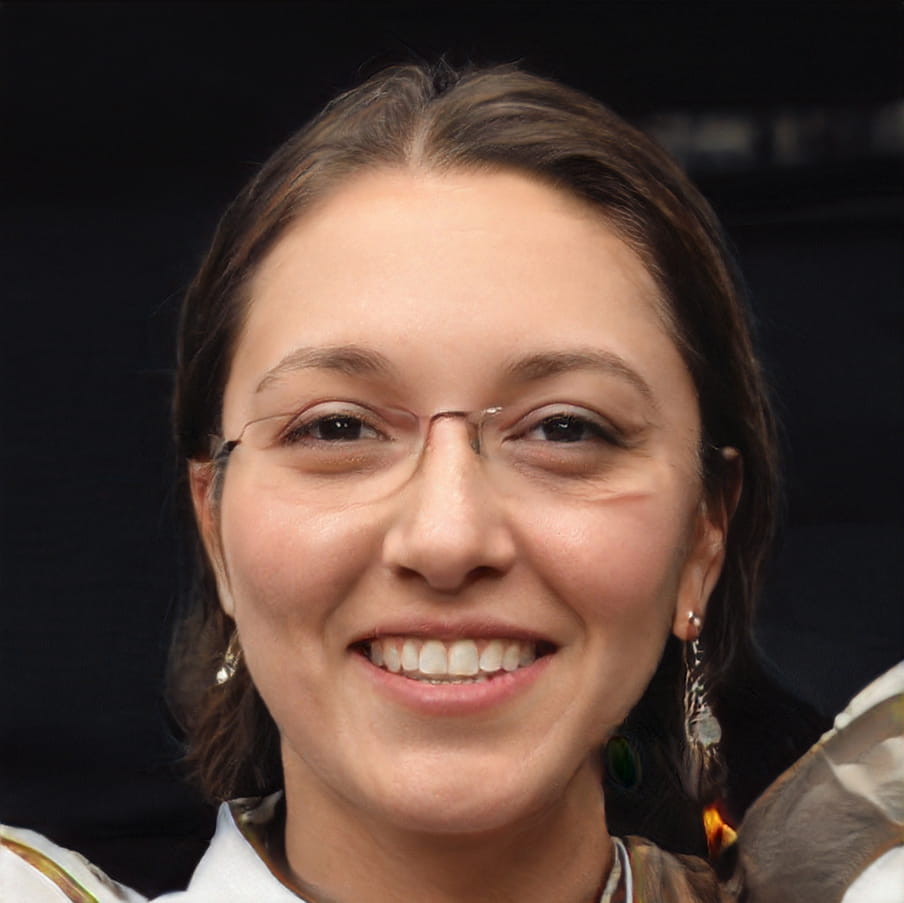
(446, 798)
(472, 813)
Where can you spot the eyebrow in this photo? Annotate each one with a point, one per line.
(355, 360)
(544, 364)
(352, 360)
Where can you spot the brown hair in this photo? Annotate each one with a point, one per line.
(498, 118)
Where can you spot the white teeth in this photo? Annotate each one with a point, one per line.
(390, 655)
(432, 659)
(463, 658)
(410, 656)
(491, 657)
(511, 657)
(459, 661)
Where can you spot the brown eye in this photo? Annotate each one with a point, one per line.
(566, 428)
(337, 428)
(568, 424)
(315, 426)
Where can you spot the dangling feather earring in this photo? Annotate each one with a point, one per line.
(702, 732)
(704, 772)
(231, 658)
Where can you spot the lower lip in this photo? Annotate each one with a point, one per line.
(453, 699)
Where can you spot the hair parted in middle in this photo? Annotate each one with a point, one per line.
(438, 119)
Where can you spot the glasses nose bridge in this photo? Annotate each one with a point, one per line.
(474, 421)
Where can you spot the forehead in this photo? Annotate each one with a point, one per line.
(424, 222)
(464, 270)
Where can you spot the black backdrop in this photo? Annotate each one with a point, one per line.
(126, 128)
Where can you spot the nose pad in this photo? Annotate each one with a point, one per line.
(448, 525)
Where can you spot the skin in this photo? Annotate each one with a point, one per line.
(451, 277)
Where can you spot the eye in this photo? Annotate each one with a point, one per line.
(566, 428)
(339, 427)
(315, 425)
(568, 443)
(572, 425)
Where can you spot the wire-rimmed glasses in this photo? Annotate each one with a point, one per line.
(334, 452)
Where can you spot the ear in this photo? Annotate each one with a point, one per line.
(202, 481)
(706, 554)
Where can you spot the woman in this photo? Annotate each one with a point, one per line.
(484, 474)
(457, 261)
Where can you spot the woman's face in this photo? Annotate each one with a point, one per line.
(459, 292)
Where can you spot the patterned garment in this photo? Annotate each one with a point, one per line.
(829, 830)
(35, 870)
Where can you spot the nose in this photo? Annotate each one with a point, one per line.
(448, 525)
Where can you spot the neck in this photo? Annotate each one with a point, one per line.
(561, 852)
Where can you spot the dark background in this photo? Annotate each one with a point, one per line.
(126, 128)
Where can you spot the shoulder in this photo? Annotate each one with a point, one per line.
(34, 869)
(882, 882)
(830, 828)
(236, 867)
(669, 877)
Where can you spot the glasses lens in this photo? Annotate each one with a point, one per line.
(557, 449)
(333, 453)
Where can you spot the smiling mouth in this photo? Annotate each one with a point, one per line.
(460, 661)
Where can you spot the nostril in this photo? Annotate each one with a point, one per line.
(448, 582)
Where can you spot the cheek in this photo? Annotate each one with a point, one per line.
(616, 569)
(621, 559)
(285, 569)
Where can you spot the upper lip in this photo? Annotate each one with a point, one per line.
(449, 630)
